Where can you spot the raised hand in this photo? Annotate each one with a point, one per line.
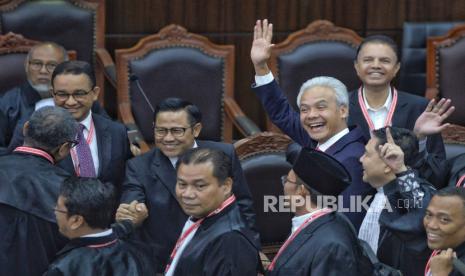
(392, 154)
(261, 46)
(431, 121)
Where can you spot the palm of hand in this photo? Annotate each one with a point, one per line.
(260, 51)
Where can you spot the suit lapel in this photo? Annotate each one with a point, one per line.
(163, 170)
(103, 144)
(300, 240)
(400, 113)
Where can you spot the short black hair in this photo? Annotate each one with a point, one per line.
(381, 39)
(75, 67)
(177, 104)
(453, 191)
(50, 127)
(404, 138)
(93, 200)
(222, 167)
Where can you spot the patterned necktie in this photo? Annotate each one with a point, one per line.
(86, 164)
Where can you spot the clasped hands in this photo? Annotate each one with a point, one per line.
(134, 211)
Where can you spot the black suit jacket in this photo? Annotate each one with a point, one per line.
(151, 178)
(113, 151)
(409, 107)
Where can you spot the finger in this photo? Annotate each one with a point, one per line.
(255, 30)
(265, 28)
(449, 112)
(269, 35)
(383, 149)
(442, 127)
(449, 253)
(259, 29)
(443, 108)
(389, 136)
(430, 105)
(141, 207)
(438, 106)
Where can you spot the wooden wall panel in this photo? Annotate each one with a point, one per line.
(232, 21)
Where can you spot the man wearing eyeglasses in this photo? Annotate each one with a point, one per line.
(18, 103)
(103, 144)
(29, 187)
(151, 179)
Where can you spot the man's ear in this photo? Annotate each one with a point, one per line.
(228, 183)
(76, 221)
(25, 128)
(96, 92)
(387, 169)
(196, 129)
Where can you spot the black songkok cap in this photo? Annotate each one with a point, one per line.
(321, 172)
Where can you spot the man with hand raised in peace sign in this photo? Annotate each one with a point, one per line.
(393, 224)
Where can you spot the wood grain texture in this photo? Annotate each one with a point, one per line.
(232, 21)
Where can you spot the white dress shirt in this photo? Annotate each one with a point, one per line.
(370, 228)
(189, 237)
(173, 160)
(331, 141)
(378, 115)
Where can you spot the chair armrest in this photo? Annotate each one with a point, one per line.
(246, 126)
(454, 134)
(136, 138)
(105, 61)
(431, 93)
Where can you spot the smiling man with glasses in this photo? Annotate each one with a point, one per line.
(18, 103)
(103, 146)
(151, 179)
(29, 185)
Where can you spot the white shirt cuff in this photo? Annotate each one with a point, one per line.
(263, 80)
(422, 145)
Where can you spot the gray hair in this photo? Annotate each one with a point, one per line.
(50, 127)
(340, 90)
(54, 45)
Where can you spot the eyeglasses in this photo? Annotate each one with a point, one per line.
(284, 180)
(175, 131)
(73, 143)
(78, 95)
(59, 211)
(36, 65)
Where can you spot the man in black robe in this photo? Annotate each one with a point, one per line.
(322, 242)
(444, 222)
(215, 239)
(29, 186)
(84, 211)
(151, 180)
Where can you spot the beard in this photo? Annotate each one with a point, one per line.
(42, 89)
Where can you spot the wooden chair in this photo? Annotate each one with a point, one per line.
(77, 25)
(176, 63)
(263, 160)
(13, 51)
(321, 49)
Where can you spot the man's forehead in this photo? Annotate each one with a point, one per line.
(46, 51)
(446, 205)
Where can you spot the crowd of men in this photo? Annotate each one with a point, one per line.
(75, 201)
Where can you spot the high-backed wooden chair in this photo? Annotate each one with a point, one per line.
(77, 25)
(263, 160)
(176, 63)
(412, 75)
(321, 49)
(13, 52)
(445, 71)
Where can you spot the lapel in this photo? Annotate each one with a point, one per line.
(353, 135)
(400, 113)
(103, 137)
(355, 113)
(300, 240)
(163, 171)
